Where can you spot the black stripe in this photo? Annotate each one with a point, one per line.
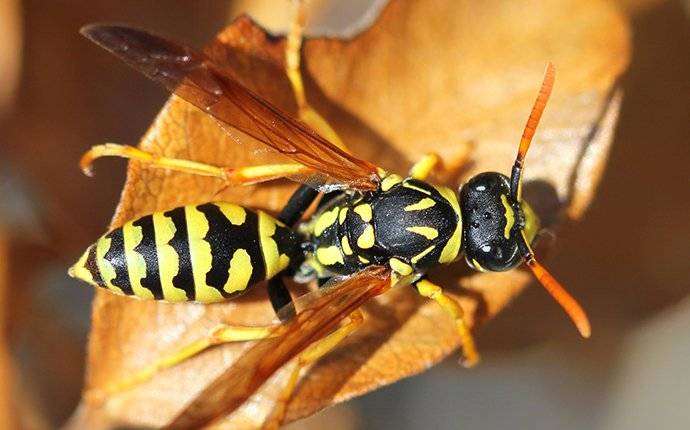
(289, 242)
(92, 267)
(116, 257)
(225, 238)
(184, 279)
(147, 249)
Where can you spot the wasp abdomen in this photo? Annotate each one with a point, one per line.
(204, 253)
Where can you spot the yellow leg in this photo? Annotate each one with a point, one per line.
(292, 68)
(423, 168)
(309, 356)
(240, 175)
(220, 334)
(432, 162)
(428, 289)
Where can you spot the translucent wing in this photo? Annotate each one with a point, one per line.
(191, 75)
(319, 318)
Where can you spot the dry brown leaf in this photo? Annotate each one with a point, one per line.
(10, 51)
(426, 77)
(6, 375)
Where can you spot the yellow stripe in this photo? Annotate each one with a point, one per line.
(274, 261)
(239, 272)
(325, 220)
(363, 260)
(452, 249)
(200, 255)
(389, 181)
(346, 245)
(342, 214)
(366, 239)
(425, 203)
(136, 266)
(422, 254)
(450, 196)
(168, 260)
(414, 187)
(510, 216)
(234, 213)
(364, 211)
(400, 266)
(329, 256)
(428, 232)
(106, 269)
(79, 271)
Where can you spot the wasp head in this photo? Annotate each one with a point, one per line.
(494, 222)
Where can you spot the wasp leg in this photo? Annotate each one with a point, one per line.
(306, 358)
(280, 297)
(218, 335)
(292, 68)
(432, 162)
(240, 175)
(298, 203)
(428, 289)
(423, 168)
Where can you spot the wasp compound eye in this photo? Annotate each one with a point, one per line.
(495, 256)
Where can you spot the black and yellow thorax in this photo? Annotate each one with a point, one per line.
(407, 224)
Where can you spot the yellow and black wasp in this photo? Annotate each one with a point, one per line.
(372, 229)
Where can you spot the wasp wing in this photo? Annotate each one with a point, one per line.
(319, 318)
(193, 76)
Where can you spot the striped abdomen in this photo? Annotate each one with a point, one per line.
(204, 253)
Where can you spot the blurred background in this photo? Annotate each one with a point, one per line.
(628, 260)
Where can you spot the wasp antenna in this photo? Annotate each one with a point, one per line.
(530, 129)
(537, 110)
(567, 302)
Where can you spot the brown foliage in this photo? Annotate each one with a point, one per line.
(426, 77)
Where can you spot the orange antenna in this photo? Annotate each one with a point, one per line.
(530, 129)
(567, 302)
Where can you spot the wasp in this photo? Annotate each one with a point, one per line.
(371, 231)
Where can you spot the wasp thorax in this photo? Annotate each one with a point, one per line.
(492, 223)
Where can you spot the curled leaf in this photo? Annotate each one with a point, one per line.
(439, 76)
